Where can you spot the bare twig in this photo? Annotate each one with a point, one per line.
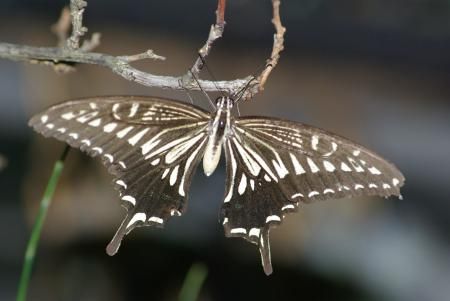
(64, 58)
(92, 43)
(78, 30)
(61, 29)
(62, 26)
(116, 64)
(149, 54)
(278, 46)
(215, 33)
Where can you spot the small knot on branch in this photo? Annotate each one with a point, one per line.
(149, 54)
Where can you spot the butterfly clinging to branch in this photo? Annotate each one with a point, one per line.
(152, 146)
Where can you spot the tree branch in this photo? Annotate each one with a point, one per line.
(118, 65)
(72, 53)
(215, 33)
(78, 30)
(278, 46)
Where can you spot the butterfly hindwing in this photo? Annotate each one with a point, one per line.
(152, 147)
(274, 165)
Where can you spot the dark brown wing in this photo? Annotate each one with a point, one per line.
(151, 145)
(273, 165)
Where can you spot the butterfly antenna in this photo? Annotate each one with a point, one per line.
(239, 111)
(201, 89)
(238, 95)
(187, 92)
(211, 74)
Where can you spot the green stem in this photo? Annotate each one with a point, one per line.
(37, 228)
(193, 282)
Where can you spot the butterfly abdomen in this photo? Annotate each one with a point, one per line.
(218, 129)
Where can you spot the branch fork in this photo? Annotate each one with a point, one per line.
(69, 53)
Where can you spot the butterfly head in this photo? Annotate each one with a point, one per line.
(224, 103)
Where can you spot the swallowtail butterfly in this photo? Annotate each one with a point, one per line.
(152, 146)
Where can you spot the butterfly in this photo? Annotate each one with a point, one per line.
(153, 146)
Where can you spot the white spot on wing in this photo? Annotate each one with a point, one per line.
(109, 157)
(122, 183)
(50, 125)
(122, 164)
(267, 178)
(44, 118)
(252, 184)
(254, 232)
(135, 139)
(297, 166)
(86, 141)
(345, 167)
(166, 171)
(334, 147)
(156, 219)
(84, 118)
(137, 217)
(251, 164)
(181, 149)
(233, 174)
(108, 128)
(372, 185)
(155, 162)
(355, 164)
(225, 220)
(356, 152)
(329, 166)
(173, 176)
(297, 195)
(312, 165)
(313, 193)
(134, 109)
(68, 115)
(73, 135)
(375, 171)
(273, 218)
(287, 207)
(115, 107)
(238, 231)
(358, 186)
(61, 130)
(395, 181)
(98, 150)
(187, 168)
(328, 190)
(261, 162)
(314, 142)
(280, 168)
(386, 186)
(129, 198)
(95, 122)
(148, 146)
(175, 212)
(123, 132)
(242, 184)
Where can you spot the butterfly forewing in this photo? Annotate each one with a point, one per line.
(151, 145)
(317, 164)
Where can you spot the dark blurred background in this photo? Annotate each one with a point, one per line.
(376, 71)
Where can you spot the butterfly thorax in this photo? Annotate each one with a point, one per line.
(218, 130)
